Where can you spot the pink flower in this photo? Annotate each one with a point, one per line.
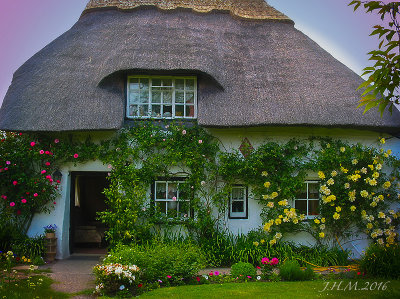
(35, 195)
(33, 143)
(8, 162)
(41, 152)
(258, 267)
(211, 273)
(47, 152)
(109, 166)
(58, 181)
(163, 139)
(274, 261)
(43, 171)
(216, 273)
(184, 132)
(174, 198)
(56, 141)
(76, 156)
(48, 177)
(6, 168)
(54, 202)
(4, 197)
(15, 183)
(47, 163)
(12, 204)
(265, 261)
(169, 276)
(200, 141)
(248, 276)
(198, 279)
(23, 200)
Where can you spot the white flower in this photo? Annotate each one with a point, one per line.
(205, 276)
(202, 183)
(258, 277)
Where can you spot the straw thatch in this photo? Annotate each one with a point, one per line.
(250, 73)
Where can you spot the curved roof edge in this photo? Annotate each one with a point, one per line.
(246, 9)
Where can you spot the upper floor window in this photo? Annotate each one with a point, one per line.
(307, 201)
(162, 97)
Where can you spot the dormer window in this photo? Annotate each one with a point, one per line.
(162, 97)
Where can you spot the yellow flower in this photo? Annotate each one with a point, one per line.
(255, 243)
(323, 220)
(330, 181)
(321, 175)
(382, 140)
(354, 161)
(262, 241)
(375, 175)
(322, 226)
(338, 209)
(364, 170)
(266, 196)
(379, 166)
(278, 221)
(264, 173)
(270, 204)
(272, 242)
(369, 225)
(267, 227)
(353, 208)
(372, 182)
(334, 173)
(283, 202)
(322, 235)
(373, 204)
(344, 170)
(317, 221)
(336, 216)
(267, 184)
(364, 193)
(371, 167)
(387, 185)
(389, 152)
(295, 220)
(342, 149)
(381, 215)
(274, 194)
(278, 236)
(346, 185)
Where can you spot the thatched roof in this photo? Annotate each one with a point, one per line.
(250, 72)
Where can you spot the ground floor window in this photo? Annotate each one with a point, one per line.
(171, 198)
(238, 204)
(307, 200)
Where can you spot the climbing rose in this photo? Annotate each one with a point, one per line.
(33, 143)
(76, 156)
(56, 141)
(15, 183)
(23, 200)
(12, 203)
(41, 152)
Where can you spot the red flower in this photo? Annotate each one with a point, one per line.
(33, 143)
(15, 183)
(18, 212)
(140, 285)
(358, 273)
(47, 163)
(35, 194)
(54, 202)
(198, 279)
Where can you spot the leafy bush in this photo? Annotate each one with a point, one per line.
(172, 264)
(29, 247)
(381, 261)
(243, 269)
(291, 271)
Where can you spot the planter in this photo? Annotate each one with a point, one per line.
(50, 235)
(50, 256)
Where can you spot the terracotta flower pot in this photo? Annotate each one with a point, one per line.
(50, 235)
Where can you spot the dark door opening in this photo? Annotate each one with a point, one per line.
(87, 198)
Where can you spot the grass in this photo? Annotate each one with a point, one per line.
(304, 290)
(37, 286)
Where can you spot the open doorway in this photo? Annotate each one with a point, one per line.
(87, 198)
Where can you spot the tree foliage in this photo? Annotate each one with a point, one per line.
(381, 89)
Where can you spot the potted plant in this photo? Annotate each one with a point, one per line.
(50, 231)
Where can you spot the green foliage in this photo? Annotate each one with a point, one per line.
(290, 271)
(381, 261)
(382, 87)
(244, 270)
(31, 248)
(171, 263)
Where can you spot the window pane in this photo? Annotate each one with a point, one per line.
(161, 206)
(313, 190)
(179, 84)
(143, 110)
(134, 97)
(156, 82)
(133, 110)
(144, 96)
(179, 110)
(156, 111)
(172, 190)
(237, 206)
(167, 82)
(167, 97)
(133, 83)
(156, 96)
(190, 84)
(160, 191)
(303, 192)
(237, 193)
(184, 208)
(313, 207)
(189, 111)
(183, 191)
(301, 205)
(189, 98)
(167, 111)
(179, 97)
(144, 83)
(172, 208)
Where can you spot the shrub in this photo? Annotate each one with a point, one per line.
(243, 269)
(381, 261)
(291, 271)
(169, 264)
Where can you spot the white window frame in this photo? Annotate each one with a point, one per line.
(239, 215)
(170, 200)
(309, 199)
(161, 104)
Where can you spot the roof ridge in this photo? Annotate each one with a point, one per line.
(248, 9)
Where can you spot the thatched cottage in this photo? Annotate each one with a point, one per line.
(236, 67)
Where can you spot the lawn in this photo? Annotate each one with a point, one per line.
(304, 290)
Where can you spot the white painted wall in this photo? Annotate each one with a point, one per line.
(230, 139)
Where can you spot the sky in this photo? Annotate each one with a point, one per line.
(26, 26)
